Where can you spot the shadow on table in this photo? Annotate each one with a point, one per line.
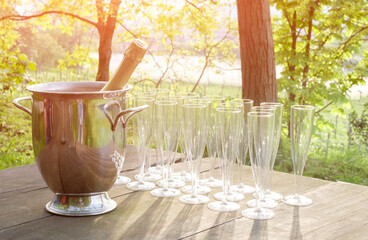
(187, 221)
(259, 230)
(149, 223)
(295, 228)
(223, 227)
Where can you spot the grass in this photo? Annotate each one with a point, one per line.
(15, 135)
(347, 166)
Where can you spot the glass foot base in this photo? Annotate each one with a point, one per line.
(220, 206)
(184, 176)
(121, 180)
(258, 213)
(267, 203)
(86, 204)
(271, 195)
(193, 199)
(200, 189)
(211, 182)
(140, 186)
(241, 188)
(297, 200)
(149, 177)
(231, 196)
(172, 183)
(160, 192)
(155, 170)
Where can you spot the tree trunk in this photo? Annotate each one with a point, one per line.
(257, 51)
(104, 56)
(106, 32)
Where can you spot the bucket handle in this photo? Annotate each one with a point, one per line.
(21, 107)
(131, 111)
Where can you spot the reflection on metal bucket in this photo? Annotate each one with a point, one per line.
(79, 141)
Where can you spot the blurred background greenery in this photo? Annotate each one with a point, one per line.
(198, 50)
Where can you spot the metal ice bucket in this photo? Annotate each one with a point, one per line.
(79, 143)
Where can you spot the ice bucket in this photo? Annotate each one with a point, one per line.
(78, 136)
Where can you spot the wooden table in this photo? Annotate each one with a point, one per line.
(339, 211)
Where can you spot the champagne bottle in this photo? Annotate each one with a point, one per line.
(132, 57)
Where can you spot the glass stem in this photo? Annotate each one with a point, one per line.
(297, 183)
(258, 198)
(268, 181)
(170, 169)
(212, 168)
(158, 162)
(196, 176)
(147, 161)
(165, 172)
(225, 180)
(240, 177)
(184, 158)
(143, 156)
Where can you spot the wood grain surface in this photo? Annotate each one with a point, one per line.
(339, 211)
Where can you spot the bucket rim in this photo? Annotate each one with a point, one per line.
(54, 88)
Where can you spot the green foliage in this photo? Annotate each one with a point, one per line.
(78, 58)
(15, 135)
(319, 44)
(43, 47)
(180, 30)
(360, 124)
(13, 63)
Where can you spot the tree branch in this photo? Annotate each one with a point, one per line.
(207, 56)
(136, 36)
(193, 5)
(307, 46)
(352, 36)
(127, 29)
(23, 18)
(167, 63)
(320, 110)
(100, 13)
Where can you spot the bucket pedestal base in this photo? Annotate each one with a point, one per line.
(85, 204)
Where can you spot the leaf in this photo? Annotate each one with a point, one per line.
(32, 66)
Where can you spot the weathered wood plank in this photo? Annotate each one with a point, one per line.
(20, 178)
(139, 216)
(136, 207)
(339, 211)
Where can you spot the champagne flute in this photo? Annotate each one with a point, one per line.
(183, 174)
(121, 180)
(194, 138)
(260, 140)
(228, 120)
(201, 189)
(240, 187)
(175, 182)
(264, 202)
(151, 174)
(276, 141)
(212, 145)
(167, 126)
(143, 128)
(232, 196)
(157, 94)
(301, 126)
